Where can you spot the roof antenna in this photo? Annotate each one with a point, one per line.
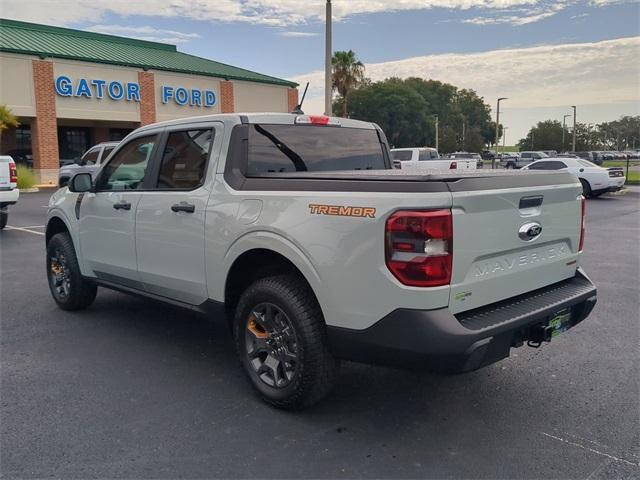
(298, 108)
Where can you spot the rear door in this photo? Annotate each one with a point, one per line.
(496, 255)
(170, 217)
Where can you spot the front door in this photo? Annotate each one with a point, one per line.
(107, 216)
(170, 220)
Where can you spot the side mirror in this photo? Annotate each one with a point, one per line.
(80, 183)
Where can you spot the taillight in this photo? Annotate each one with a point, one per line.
(583, 207)
(453, 165)
(13, 173)
(419, 247)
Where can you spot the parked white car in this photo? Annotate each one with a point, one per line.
(595, 180)
(9, 192)
(428, 159)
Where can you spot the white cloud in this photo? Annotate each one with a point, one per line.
(544, 78)
(299, 34)
(145, 33)
(520, 16)
(267, 12)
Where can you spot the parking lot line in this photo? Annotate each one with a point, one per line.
(23, 229)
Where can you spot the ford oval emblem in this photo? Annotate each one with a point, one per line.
(530, 231)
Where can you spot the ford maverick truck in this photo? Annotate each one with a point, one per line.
(315, 249)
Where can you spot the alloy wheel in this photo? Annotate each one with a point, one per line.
(271, 345)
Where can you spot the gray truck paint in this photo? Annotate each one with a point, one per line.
(342, 258)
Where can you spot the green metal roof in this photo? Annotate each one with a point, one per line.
(46, 41)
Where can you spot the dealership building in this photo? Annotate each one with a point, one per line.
(71, 89)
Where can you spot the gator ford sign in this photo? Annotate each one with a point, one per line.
(130, 91)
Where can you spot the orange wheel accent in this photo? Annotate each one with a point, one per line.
(256, 329)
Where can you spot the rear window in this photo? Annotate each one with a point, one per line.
(426, 154)
(301, 148)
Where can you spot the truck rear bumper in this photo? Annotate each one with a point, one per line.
(466, 341)
(8, 197)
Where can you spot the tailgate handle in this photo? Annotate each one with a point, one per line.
(530, 202)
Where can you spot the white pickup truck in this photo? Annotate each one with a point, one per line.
(426, 159)
(9, 192)
(249, 215)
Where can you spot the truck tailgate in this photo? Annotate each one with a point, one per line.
(496, 254)
(4, 175)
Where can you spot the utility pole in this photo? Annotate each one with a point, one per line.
(493, 162)
(574, 128)
(463, 133)
(437, 134)
(328, 86)
(564, 119)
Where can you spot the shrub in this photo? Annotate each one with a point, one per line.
(26, 177)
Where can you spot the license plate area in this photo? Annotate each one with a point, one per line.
(556, 324)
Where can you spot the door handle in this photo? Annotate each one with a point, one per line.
(122, 205)
(183, 207)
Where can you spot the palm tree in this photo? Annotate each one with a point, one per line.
(7, 120)
(348, 73)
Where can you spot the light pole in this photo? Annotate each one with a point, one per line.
(493, 162)
(574, 128)
(436, 117)
(531, 139)
(328, 87)
(564, 119)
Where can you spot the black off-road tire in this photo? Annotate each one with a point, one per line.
(317, 369)
(81, 292)
(4, 217)
(586, 188)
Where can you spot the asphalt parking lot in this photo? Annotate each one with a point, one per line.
(133, 389)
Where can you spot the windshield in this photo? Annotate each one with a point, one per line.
(302, 148)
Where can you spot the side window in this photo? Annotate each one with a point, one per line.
(557, 165)
(105, 153)
(91, 157)
(185, 158)
(525, 155)
(127, 169)
(539, 166)
(401, 155)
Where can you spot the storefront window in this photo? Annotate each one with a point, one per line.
(73, 142)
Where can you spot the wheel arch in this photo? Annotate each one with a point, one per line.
(256, 263)
(56, 225)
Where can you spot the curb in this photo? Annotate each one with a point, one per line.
(29, 190)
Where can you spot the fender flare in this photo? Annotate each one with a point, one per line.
(269, 240)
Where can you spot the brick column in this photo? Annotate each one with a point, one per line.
(227, 104)
(292, 99)
(44, 128)
(147, 98)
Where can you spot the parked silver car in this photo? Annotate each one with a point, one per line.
(89, 162)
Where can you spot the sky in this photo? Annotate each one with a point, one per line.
(543, 55)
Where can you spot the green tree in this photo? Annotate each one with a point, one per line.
(399, 110)
(7, 120)
(347, 75)
(547, 135)
(405, 109)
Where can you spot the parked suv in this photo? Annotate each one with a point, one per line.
(297, 228)
(90, 162)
